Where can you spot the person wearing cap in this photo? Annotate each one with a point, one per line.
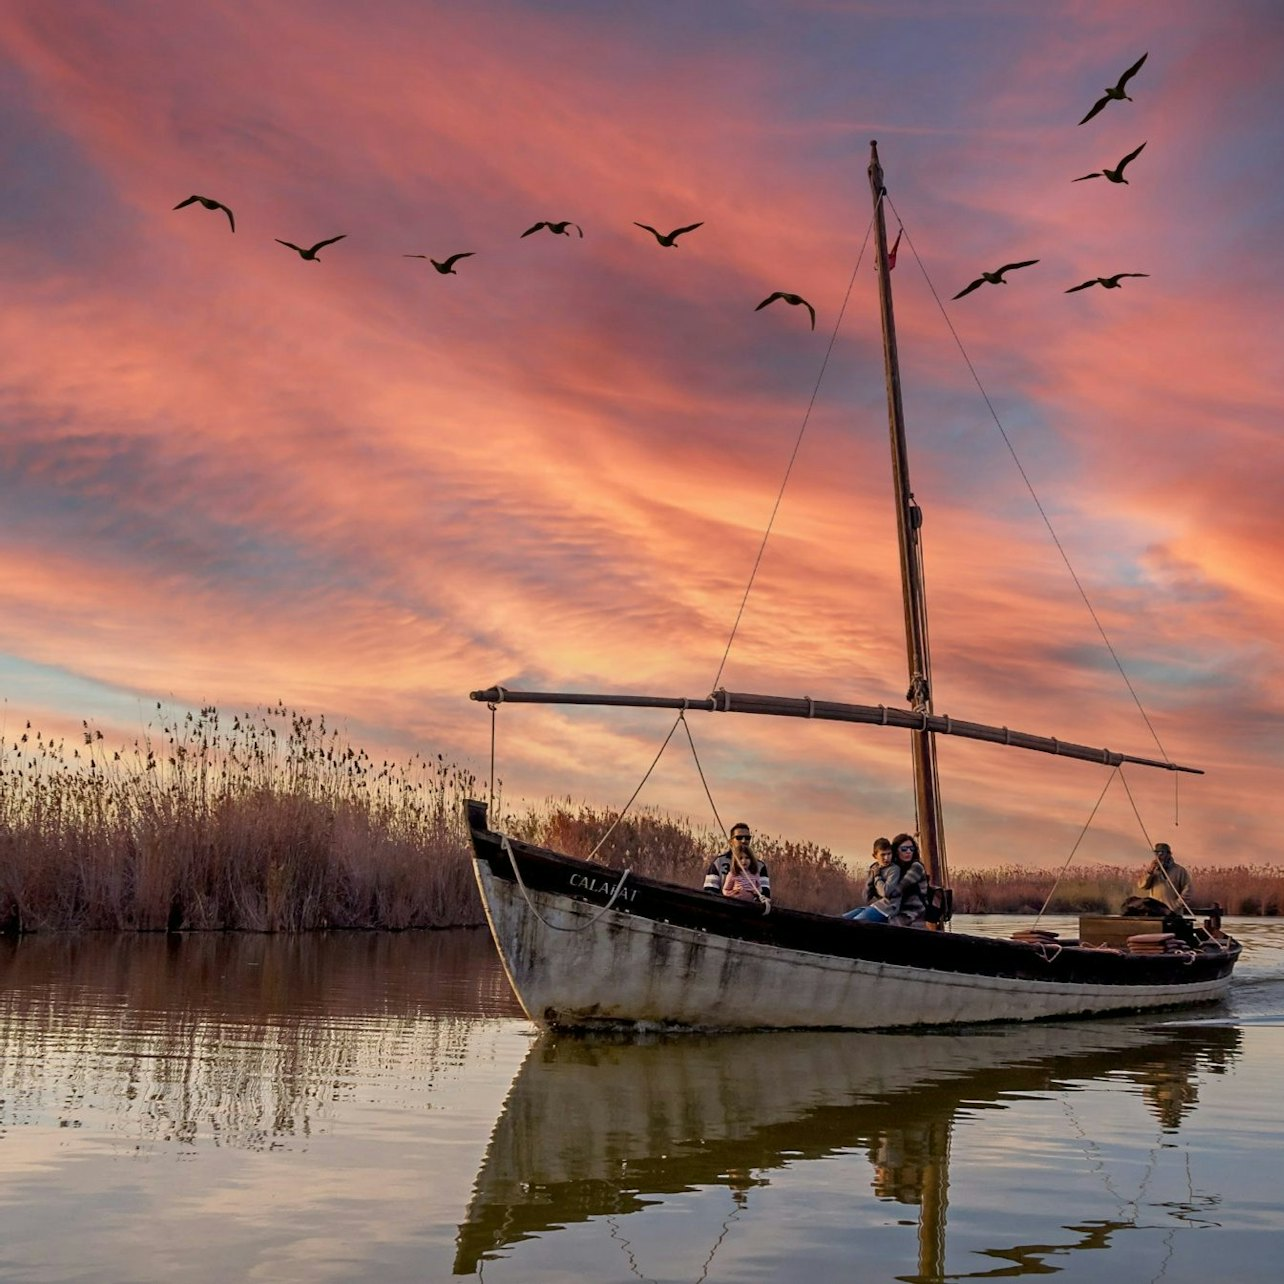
(738, 873)
(1165, 880)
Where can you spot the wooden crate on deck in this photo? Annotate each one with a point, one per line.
(1115, 929)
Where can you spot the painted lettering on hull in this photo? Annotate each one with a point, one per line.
(601, 887)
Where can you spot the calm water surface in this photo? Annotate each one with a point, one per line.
(375, 1106)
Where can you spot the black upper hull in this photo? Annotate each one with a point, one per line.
(687, 922)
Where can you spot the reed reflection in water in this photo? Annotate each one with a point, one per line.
(373, 1106)
(208, 1106)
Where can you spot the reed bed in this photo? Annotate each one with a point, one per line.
(270, 821)
(1101, 889)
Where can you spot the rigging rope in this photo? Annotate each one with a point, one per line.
(700, 770)
(1142, 824)
(775, 509)
(1061, 872)
(530, 904)
(920, 562)
(1029, 485)
(735, 859)
(490, 805)
(681, 718)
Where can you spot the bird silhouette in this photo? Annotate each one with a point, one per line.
(795, 299)
(1117, 93)
(447, 266)
(210, 204)
(561, 229)
(995, 277)
(1115, 175)
(670, 238)
(1110, 282)
(311, 253)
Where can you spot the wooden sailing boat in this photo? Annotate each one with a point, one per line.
(585, 945)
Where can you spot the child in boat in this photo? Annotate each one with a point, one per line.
(878, 905)
(881, 854)
(898, 885)
(737, 872)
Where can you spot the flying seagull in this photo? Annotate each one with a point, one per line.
(1117, 93)
(995, 277)
(795, 299)
(312, 253)
(1115, 175)
(447, 266)
(672, 237)
(559, 228)
(210, 204)
(1110, 282)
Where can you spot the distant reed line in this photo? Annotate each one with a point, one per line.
(272, 822)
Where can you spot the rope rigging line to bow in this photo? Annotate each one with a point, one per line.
(490, 804)
(700, 771)
(530, 904)
(1043, 909)
(780, 495)
(1142, 824)
(680, 720)
(504, 838)
(517, 873)
(920, 562)
(1029, 485)
(659, 753)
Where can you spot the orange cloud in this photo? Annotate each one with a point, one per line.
(364, 488)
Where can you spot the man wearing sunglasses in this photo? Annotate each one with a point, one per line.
(738, 873)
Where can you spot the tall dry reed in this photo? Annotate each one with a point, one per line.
(1102, 889)
(273, 822)
(269, 823)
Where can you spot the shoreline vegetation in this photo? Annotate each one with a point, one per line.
(272, 822)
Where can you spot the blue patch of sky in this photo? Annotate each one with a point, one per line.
(56, 201)
(84, 499)
(26, 687)
(674, 23)
(1188, 674)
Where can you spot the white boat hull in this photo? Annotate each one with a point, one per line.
(572, 963)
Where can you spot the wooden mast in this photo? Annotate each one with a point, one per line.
(931, 834)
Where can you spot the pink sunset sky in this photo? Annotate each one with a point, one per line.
(363, 489)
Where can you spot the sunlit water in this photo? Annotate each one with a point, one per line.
(336, 1107)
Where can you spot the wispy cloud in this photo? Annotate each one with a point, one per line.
(363, 488)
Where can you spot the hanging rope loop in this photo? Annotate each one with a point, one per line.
(558, 927)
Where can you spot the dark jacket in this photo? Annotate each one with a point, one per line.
(720, 867)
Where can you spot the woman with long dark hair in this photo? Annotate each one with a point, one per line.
(897, 887)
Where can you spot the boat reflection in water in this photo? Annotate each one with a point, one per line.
(600, 1128)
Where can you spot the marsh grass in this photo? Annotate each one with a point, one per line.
(271, 821)
(1101, 889)
(268, 823)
